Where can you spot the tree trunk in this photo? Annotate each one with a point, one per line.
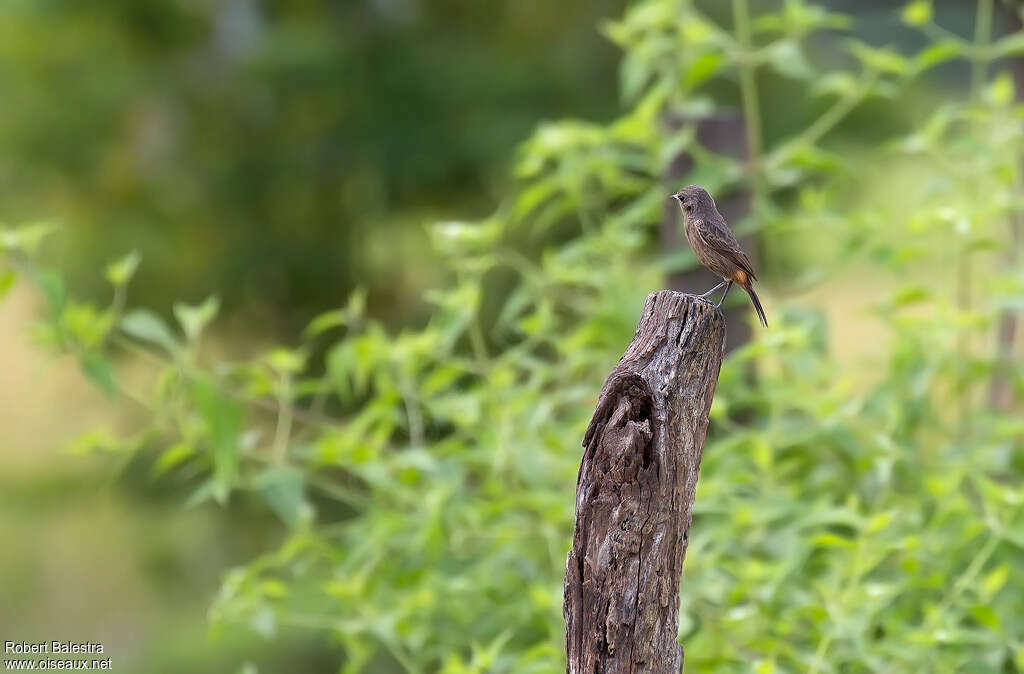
(635, 490)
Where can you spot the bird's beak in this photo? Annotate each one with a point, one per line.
(674, 196)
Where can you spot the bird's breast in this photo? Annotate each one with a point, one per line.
(705, 254)
(692, 227)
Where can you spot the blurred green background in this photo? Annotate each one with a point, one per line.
(279, 154)
(480, 186)
(284, 150)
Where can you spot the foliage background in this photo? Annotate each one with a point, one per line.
(392, 490)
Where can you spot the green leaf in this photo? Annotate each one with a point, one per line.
(121, 272)
(349, 315)
(286, 360)
(98, 369)
(97, 441)
(618, 32)
(838, 83)
(193, 319)
(284, 490)
(878, 522)
(324, 322)
(207, 491)
(222, 425)
(936, 53)
(146, 326)
(26, 239)
(1001, 90)
(917, 13)
(880, 59)
(831, 541)
(7, 280)
(909, 294)
(800, 18)
(788, 60)
(356, 306)
(173, 456)
(460, 238)
(634, 74)
(52, 287)
(274, 589)
(986, 616)
(264, 622)
(86, 324)
(704, 67)
(995, 580)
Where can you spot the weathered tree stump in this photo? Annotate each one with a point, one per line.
(635, 490)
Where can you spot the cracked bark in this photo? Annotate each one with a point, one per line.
(635, 489)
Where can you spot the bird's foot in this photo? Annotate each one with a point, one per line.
(728, 287)
(713, 289)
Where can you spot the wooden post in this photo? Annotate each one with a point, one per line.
(635, 489)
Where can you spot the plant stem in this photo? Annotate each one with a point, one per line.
(749, 97)
(851, 581)
(1001, 394)
(979, 69)
(982, 36)
(282, 434)
(413, 415)
(965, 580)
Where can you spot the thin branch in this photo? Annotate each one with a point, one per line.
(941, 34)
(826, 122)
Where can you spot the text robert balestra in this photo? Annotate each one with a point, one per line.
(54, 647)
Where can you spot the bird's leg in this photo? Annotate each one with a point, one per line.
(728, 286)
(713, 289)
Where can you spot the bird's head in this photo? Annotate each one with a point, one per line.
(693, 198)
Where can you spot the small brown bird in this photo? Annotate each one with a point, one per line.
(715, 245)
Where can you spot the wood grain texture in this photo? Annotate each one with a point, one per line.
(635, 490)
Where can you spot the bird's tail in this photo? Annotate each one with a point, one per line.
(757, 304)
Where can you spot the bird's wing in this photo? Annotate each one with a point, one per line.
(719, 237)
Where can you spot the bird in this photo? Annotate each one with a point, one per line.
(715, 245)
